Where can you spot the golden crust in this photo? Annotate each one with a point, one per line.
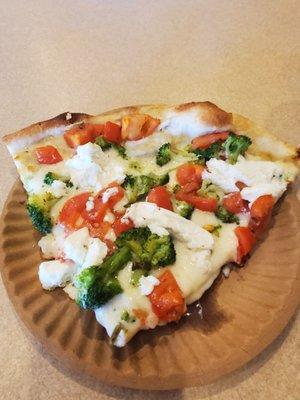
(208, 113)
(63, 119)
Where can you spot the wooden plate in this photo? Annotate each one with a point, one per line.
(241, 315)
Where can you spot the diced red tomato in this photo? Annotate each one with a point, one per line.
(201, 203)
(112, 132)
(48, 155)
(166, 298)
(72, 210)
(138, 126)
(260, 212)
(188, 173)
(246, 240)
(161, 197)
(120, 226)
(262, 206)
(190, 187)
(97, 130)
(97, 214)
(234, 203)
(140, 314)
(116, 197)
(80, 134)
(202, 142)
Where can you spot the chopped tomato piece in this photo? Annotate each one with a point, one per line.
(138, 126)
(202, 142)
(166, 298)
(246, 240)
(188, 173)
(79, 135)
(140, 314)
(262, 206)
(201, 203)
(98, 212)
(97, 130)
(115, 197)
(48, 155)
(190, 187)
(72, 210)
(112, 132)
(161, 197)
(120, 226)
(234, 203)
(260, 212)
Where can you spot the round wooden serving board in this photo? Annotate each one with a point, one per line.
(241, 314)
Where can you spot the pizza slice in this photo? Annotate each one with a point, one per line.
(142, 207)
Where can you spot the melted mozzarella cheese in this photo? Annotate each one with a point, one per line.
(147, 146)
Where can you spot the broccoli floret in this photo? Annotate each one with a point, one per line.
(138, 186)
(125, 316)
(226, 216)
(163, 155)
(148, 249)
(236, 145)
(38, 207)
(136, 276)
(213, 151)
(120, 150)
(208, 189)
(99, 283)
(51, 176)
(183, 208)
(105, 145)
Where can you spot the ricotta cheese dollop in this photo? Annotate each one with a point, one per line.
(162, 222)
(56, 273)
(261, 177)
(91, 168)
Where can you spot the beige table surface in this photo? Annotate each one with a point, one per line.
(92, 55)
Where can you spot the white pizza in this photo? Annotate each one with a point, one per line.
(142, 207)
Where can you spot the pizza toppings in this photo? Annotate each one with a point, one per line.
(38, 208)
(98, 284)
(137, 187)
(161, 197)
(135, 127)
(246, 241)
(190, 173)
(234, 203)
(148, 249)
(166, 298)
(79, 135)
(48, 155)
(260, 212)
(201, 203)
(203, 142)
